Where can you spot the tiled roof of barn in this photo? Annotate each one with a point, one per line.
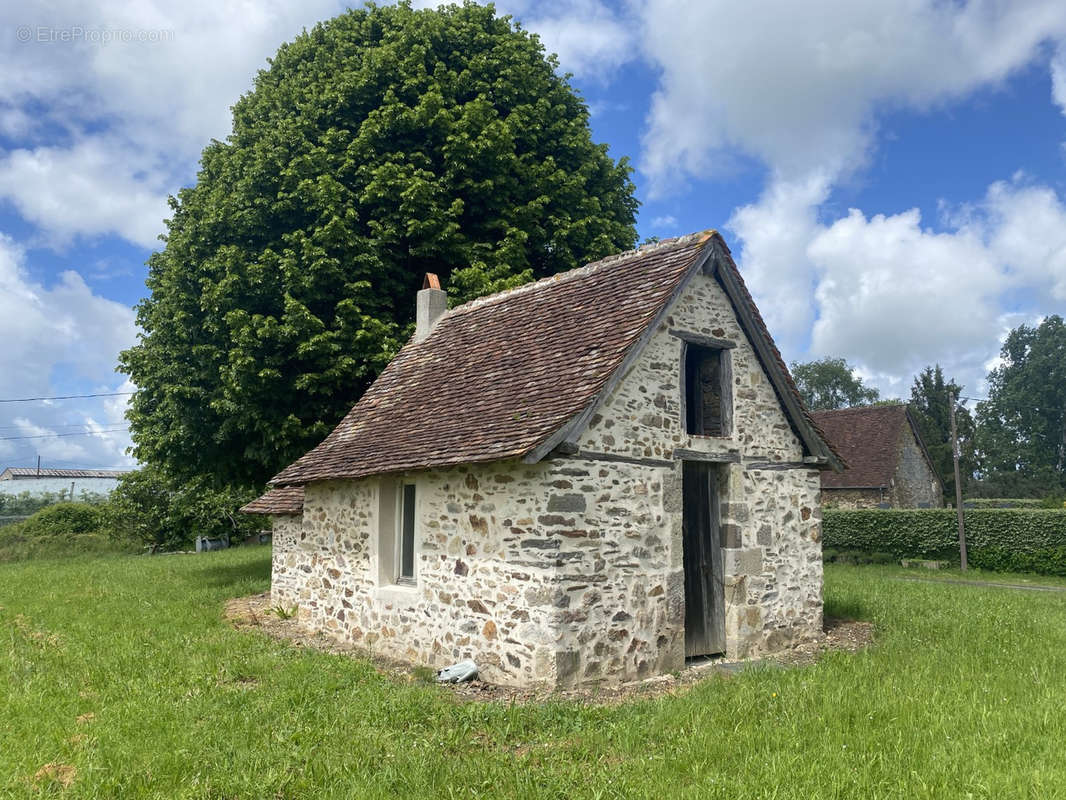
(868, 439)
(280, 500)
(21, 473)
(500, 376)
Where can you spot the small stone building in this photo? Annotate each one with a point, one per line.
(888, 465)
(586, 479)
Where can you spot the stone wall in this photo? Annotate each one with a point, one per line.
(855, 498)
(285, 560)
(774, 578)
(915, 485)
(553, 573)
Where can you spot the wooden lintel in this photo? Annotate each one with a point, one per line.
(590, 455)
(681, 454)
(779, 465)
(704, 341)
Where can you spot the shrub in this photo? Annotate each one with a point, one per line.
(61, 529)
(65, 519)
(151, 508)
(1016, 540)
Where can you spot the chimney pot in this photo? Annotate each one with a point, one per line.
(431, 304)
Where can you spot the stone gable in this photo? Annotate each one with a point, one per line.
(642, 417)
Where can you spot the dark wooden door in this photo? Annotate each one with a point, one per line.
(702, 555)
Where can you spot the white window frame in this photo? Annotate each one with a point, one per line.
(398, 577)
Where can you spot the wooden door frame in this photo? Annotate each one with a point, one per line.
(703, 570)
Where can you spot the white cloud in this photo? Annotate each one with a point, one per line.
(799, 85)
(775, 233)
(1058, 77)
(118, 125)
(667, 221)
(590, 39)
(897, 298)
(99, 185)
(893, 296)
(59, 330)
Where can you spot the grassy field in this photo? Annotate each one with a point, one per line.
(119, 678)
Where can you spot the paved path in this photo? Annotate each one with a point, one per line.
(1025, 586)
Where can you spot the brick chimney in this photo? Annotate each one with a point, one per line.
(432, 303)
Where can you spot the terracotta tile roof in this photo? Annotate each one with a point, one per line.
(21, 473)
(868, 439)
(281, 500)
(502, 375)
(499, 375)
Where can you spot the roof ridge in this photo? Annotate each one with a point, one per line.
(676, 242)
(871, 407)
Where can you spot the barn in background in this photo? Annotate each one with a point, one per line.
(888, 465)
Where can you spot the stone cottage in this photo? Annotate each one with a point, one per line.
(888, 465)
(586, 479)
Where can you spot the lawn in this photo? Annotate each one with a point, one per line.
(120, 674)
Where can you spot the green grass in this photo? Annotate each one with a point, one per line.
(971, 574)
(962, 697)
(16, 545)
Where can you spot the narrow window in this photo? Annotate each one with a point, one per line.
(706, 391)
(407, 535)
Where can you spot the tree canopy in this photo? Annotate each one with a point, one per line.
(381, 144)
(829, 383)
(1022, 426)
(930, 404)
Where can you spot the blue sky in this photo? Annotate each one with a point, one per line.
(889, 176)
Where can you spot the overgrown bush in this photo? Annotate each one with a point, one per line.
(153, 509)
(66, 519)
(1016, 540)
(61, 529)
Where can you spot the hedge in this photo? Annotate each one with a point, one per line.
(1002, 502)
(1014, 540)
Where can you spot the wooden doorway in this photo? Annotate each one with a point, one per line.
(702, 554)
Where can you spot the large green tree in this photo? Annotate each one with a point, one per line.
(829, 383)
(379, 145)
(930, 404)
(1022, 426)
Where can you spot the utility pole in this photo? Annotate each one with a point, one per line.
(38, 465)
(958, 483)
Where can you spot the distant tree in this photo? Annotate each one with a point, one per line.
(829, 384)
(1021, 434)
(377, 146)
(930, 404)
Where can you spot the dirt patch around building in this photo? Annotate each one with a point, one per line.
(257, 613)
